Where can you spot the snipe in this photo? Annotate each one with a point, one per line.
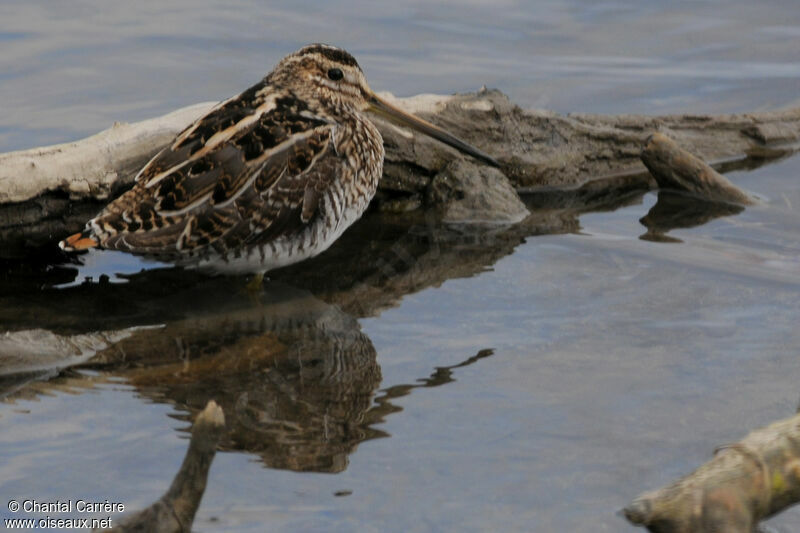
(267, 178)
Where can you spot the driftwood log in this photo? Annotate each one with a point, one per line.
(744, 483)
(46, 193)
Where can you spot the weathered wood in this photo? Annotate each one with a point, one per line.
(46, 193)
(676, 168)
(544, 149)
(92, 167)
(174, 511)
(744, 483)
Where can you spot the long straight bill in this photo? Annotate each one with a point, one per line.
(395, 114)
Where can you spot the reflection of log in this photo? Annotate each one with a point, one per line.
(680, 210)
(34, 350)
(744, 483)
(442, 375)
(175, 511)
(676, 168)
(536, 149)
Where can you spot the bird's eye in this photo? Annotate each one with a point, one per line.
(335, 74)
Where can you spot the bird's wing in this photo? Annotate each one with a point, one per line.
(254, 167)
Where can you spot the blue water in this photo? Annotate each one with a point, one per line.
(618, 364)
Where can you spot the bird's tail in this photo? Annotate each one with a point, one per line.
(79, 241)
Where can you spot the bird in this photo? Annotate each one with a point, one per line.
(267, 178)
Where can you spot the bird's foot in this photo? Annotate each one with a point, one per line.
(256, 284)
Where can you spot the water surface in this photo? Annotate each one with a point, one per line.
(415, 377)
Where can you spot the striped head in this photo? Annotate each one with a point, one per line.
(325, 74)
(331, 77)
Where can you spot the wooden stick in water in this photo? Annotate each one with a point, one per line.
(675, 168)
(174, 511)
(744, 483)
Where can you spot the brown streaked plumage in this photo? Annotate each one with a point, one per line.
(267, 178)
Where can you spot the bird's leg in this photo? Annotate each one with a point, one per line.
(256, 284)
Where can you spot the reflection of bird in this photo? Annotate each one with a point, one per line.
(268, 178)
(295, 376)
